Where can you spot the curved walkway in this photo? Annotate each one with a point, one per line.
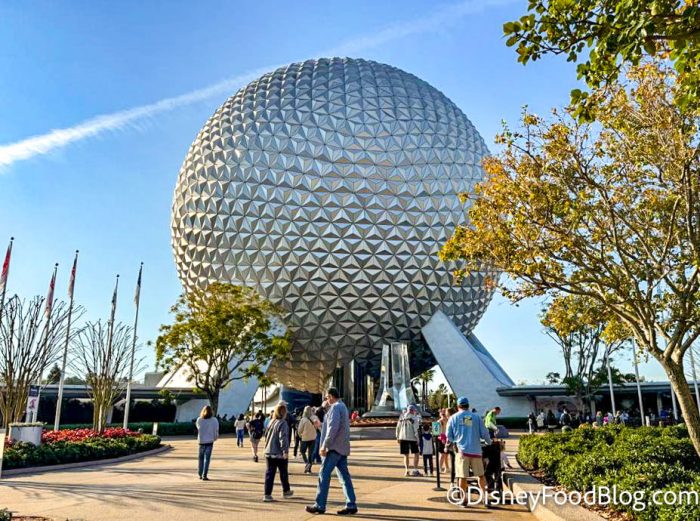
(165, 487)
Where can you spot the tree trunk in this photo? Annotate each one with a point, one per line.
(214, 401)
(680, 386)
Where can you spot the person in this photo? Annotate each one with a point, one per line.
(408, 432)
(306, 430)
(551, 421)
(207, 434)
(565, 418)
(240, 430)
(444, 460)
(531, 422)
(256, 428)
(466, 430)
(490, 421)
(320, 413)
(335, 449)
(355, 416)
(277, 453)
(541, 420)
(426, 449)
(291, 420)
(599, 419)
(268, 419)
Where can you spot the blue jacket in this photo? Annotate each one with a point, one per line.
(335, 432)
(466, 430)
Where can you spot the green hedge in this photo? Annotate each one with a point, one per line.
(22, 455)
(645, 459)
(164, 428)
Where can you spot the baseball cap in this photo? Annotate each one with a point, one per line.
(463, 400)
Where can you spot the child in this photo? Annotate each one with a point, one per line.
(426, 449)
(504, 458)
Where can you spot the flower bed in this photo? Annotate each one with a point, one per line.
(646, 461)
(78, 445)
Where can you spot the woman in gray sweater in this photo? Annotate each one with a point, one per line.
(277, 453)
(207, 434)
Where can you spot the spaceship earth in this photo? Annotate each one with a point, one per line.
(329, 186)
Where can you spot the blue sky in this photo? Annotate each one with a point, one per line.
(109, 195)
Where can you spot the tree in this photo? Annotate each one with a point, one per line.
(608, 211)
(441, 397)
(610, 34)
(578, 326)
(29, 343)
(424, 379)
(553, 378)
(222, 334)
(54, 375)
(103, 357)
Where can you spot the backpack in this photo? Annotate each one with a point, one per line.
(256, 427)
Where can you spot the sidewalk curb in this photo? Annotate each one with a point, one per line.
(81, 464)
(519, 481)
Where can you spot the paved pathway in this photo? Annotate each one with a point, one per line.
(165, 487)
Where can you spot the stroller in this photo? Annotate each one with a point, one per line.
(493, 468)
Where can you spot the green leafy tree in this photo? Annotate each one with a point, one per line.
(54, 375)
(424, 379)
(221, 334)
(578, 326)
(608, 211)
(605, 35)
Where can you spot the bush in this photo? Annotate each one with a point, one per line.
(164, 428)
(646, 459)
(76, 446)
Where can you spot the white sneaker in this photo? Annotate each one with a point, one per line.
(267, 499)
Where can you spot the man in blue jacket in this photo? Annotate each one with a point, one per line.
(466, 430)
(335, 449)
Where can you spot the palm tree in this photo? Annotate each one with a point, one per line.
(425, 378)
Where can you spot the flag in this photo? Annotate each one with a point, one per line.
(114, 300)
(49, 296)
(71, 283)
(137, 295)
(6, 268)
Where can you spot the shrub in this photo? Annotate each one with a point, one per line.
(645, 459)
(75, 447)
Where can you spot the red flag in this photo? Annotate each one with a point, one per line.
(6, 268)
(71, 283)
(49, 297)
(137, 295)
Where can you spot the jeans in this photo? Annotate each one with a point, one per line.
(272, 465)
(307, 452)
(428, 463)
(334, 460)
(297, 442)
(239, 437)
(317, 457)
(204, 458)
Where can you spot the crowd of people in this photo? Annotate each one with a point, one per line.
(565, 419)
(322, 435)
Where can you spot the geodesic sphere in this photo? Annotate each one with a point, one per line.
(330, 186)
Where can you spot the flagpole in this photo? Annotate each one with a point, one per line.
(137, 301)
(610, 382)
(48, 311)
(695, 378)
(61, 383)
(110, 335)
(3, 276)
(639, 386)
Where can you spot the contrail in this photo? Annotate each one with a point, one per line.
(58, 138)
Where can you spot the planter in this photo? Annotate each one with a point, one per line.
(26, 432)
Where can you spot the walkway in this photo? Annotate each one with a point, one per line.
(165, 488)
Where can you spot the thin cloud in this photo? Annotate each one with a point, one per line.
(59, 138)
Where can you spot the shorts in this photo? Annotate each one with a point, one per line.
(409, 446)
(464, 463)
